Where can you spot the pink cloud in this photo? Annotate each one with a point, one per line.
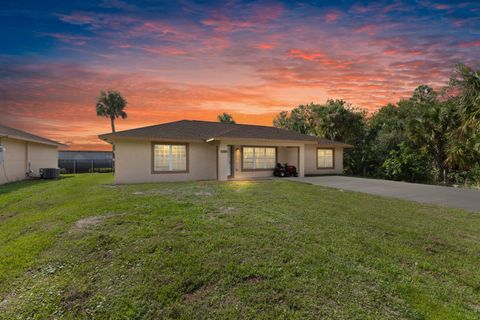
(368, 28)
(332, 16)
(260, 15)
(317, 56)
(470, 44)
(166, 50)
(441, 6)
(73, 39)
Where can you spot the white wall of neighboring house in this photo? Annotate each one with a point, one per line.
(19, 155)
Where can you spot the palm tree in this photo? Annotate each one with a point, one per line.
(465, 147)
(110, 104)
(467, 81)
(225, 118)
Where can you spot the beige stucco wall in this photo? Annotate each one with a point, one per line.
(133, 162)
(311, 160)
(42, 156)
(208, 161)
(18, 154)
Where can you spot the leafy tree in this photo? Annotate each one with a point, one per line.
(111, 104)
(429, 126)
(431, 136)
(334, 120)
(464, 148)
(340, 121)
(424, 94)
(408, 164)
(225, 118)
(282, 120)
(467, 81)
(300, 119)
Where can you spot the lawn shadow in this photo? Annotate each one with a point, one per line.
(18, 185)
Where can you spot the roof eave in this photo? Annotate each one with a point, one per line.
(51, 143)
(110, 138)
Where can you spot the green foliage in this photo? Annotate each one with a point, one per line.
(441, 127)
(111, 104)
(225, 118)
(464, 150)
(408, 164)
(335, 120)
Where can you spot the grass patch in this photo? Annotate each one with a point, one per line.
(84, 248)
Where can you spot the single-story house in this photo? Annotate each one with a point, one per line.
(201, 150)
(22, 152)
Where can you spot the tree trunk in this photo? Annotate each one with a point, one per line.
(112, 121)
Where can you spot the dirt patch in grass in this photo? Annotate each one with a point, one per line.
(6, 300)
(204, 193)
(221, 212)
(252, 279)
(88, 222)
(7, 216)
(75, 300)
(199, 294)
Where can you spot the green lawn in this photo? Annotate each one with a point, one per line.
(84, 248)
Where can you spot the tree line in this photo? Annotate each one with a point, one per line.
(431, 137)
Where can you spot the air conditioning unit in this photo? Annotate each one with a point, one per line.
(49, 173)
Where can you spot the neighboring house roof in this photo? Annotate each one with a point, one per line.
(206, 130)
(7, 132)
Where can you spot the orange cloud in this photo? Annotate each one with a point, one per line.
(317, 56)
(265, 46)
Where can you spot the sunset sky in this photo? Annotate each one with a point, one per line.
(193, 60)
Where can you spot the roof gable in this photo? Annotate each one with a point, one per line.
(9, 132)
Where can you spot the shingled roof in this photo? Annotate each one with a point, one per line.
(7, 132)
(206, 130)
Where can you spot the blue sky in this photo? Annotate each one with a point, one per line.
(187, 59)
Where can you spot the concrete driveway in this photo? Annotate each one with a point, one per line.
(468, 199)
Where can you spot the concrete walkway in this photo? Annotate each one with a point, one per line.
(468, 199)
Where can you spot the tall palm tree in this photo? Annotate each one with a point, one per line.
(111, 104)
(225, 118)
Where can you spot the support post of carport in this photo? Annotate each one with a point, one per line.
(301, 160)
(222, 156)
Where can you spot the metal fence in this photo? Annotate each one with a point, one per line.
(85, 166)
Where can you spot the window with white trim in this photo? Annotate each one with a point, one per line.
(169, 157)
(259, 158)
(325, 158)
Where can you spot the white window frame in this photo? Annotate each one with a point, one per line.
(170, 159)
(255, 160)
(319, 166)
